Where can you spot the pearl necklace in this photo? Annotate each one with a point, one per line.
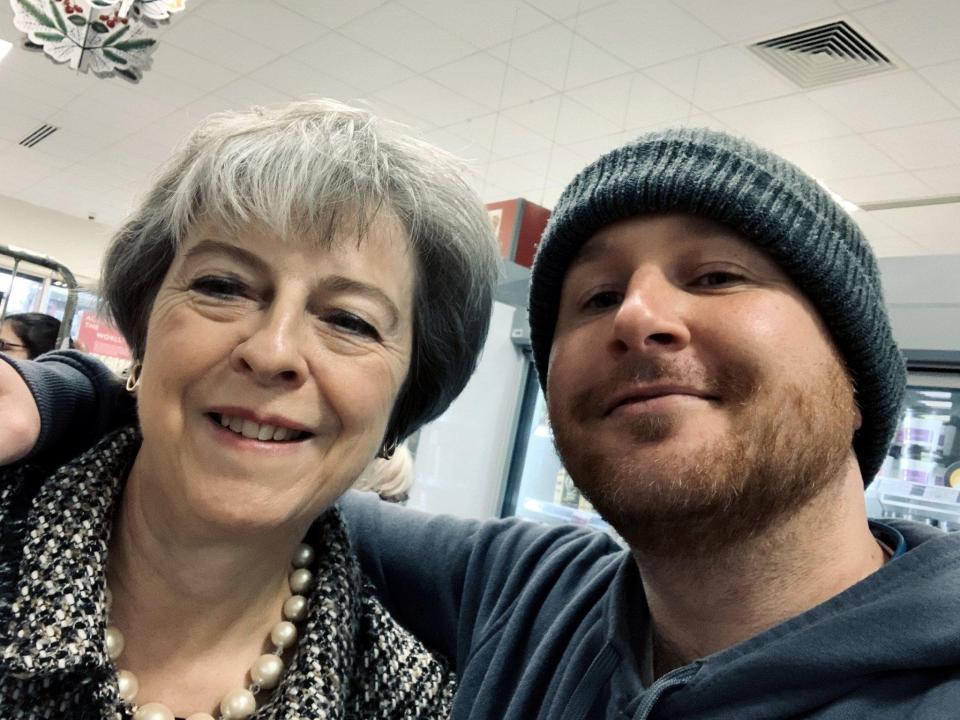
(266, 671)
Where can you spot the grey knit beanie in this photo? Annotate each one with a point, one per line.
(768, 201)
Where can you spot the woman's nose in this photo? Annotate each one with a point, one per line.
(651, 319)
(273, 351)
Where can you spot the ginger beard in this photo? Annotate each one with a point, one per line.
(785, 445)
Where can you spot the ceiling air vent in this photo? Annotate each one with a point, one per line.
(41, 133)
(822, 55)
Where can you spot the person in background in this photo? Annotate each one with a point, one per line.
(722, 381)
(27, 335)
(390, 478)
(301, 289)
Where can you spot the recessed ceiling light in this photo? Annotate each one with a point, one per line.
(5, 47)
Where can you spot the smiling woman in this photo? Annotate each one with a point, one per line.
(301, 290)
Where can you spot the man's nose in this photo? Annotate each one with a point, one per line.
(651, 317)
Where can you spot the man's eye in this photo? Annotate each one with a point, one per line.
(353, 325)
(220, 286)
(717, 279)
(603, 300)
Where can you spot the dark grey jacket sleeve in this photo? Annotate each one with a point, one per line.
(453, 582)
(79, 400)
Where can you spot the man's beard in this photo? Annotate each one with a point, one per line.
(784, 447)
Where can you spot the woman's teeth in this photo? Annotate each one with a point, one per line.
(256, 431)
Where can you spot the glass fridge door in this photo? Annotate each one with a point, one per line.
(920, 478)
(538, 487)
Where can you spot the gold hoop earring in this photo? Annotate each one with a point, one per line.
(388, 449)
(133, 376)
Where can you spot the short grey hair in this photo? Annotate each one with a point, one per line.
(310, 170)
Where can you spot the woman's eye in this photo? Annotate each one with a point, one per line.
(220, 286)
(717, 279)
(603, 300)
(353, 325)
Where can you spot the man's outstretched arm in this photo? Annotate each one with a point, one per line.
(55, 407)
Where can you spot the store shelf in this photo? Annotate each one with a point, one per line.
(899, 498)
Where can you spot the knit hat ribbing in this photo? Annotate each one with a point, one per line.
(768, 201)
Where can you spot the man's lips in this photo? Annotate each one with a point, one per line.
(648, 393)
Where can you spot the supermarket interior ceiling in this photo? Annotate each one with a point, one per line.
(864, 95)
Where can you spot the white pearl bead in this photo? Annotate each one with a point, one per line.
(284, 634)
(303, 556)
(237, 705)
(128, 684)
(295, 608)
(115, 642)
(266, 671)
(154, 711)
(200, 716)
(301, 580)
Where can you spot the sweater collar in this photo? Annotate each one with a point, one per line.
(56, 618)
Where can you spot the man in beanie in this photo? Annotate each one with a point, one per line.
(722, 381)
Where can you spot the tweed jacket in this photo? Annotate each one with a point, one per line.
(352, 661)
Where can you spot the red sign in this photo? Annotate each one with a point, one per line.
(518, 224)
(101, 338)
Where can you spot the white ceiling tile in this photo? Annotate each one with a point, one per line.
(512, 138)
(921, 32)
(563, 9)
(885, 101)
(477, 133)
(479, 77)
(880, 188)
(651, 103)
(543, 54)
(407, 37)
(577, 123)
(758, 18)
(595, 147)
(245, 92)
(548, 196)
(164, 89)
(68, 146)
(608, 98)
(946, 79)
(928, 221)
(352, 63)
(519, 88)
(840, 157)
(588, 64)
(299, 80)
(564, 164)
(700, 120)
(430, 100)
(782, 121)
(265, 23)
(490, 192)
(722, 78)
(190, 69)
(921, 146)
(941, 181)
(896, 247)
(454, 143)
(645, 34)
(858, 4)
(509, 174)
(539, 116)
(218, 45)
(398, 114)
(25, 168)
(332, 13)
(482, 24)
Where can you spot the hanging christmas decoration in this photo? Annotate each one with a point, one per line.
(105, 37)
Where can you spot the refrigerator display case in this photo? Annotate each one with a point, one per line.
(920, 479)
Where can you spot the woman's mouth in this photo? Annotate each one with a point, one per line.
(258, 431)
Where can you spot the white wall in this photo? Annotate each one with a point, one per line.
(462, 456)
(78, 244)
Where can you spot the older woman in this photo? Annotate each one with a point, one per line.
(301, 289)
(27, 335)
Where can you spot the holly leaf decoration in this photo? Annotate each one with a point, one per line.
(88, 35)
(152, 11)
